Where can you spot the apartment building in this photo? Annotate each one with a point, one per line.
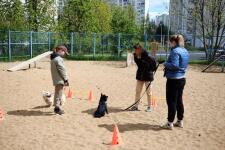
(138, 5)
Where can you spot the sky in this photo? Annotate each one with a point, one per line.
(157, 7)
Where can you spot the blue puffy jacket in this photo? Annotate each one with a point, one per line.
(177, 63)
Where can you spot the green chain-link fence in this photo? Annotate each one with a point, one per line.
(27, 44)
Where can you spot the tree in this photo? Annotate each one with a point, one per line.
(150, 26)
(12, 15)
(123, 20)
(102, 15)
(210, 19)
(40, 14)
(77, 16)
(161, 30)
(131, 19)
(86, 16)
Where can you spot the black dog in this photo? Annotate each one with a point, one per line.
(102, 107)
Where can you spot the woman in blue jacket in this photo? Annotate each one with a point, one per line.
(175, 69)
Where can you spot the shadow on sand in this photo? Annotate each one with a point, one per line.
(41, 107)
(131, 127)
(110, 110)
(29, 113)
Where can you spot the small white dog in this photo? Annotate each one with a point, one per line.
(49, 98)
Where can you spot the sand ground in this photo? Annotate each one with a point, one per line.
(28, 125)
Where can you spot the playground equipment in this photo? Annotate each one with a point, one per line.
(221, 57)
(29, 62)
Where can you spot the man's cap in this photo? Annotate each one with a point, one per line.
(63, 48)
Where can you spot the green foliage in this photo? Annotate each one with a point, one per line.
(192, 48)
(162, 30)
(34, 15)
(40, 14)
(150, 26)
(97, 16)
(199, 62)
(123, 20)
(77, 16)
(86, 16)
(102, 16)
(12, 15)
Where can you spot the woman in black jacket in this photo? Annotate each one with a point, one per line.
(146, 66)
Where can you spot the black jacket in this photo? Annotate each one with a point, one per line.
(53, 55)
(146, 66)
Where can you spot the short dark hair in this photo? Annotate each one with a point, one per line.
(137, 45)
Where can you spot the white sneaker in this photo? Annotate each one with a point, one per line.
(168, 126)
(179, 124)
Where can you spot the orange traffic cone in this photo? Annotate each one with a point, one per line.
(69, 94)
(90, 96)
(1, 115)
(116, 138)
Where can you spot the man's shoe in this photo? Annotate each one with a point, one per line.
(59, 111)
(56, 109)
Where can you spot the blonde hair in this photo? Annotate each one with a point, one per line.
(179, 39)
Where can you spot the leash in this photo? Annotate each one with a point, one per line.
(144, 91)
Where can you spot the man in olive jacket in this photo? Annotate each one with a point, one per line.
(59, 76)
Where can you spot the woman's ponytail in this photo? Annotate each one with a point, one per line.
(179, 39)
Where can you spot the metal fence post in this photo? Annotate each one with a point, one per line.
(223, 64)
(94, 44)
(208, 48)
(49, 41)
(9, 46)
(79, 40)
(71, 43)
(119, 45)
(211, 49)
(31, 45)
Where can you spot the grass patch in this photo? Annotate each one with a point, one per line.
(15, 58)
(96, 58)
(199, 62)
(194, 49)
